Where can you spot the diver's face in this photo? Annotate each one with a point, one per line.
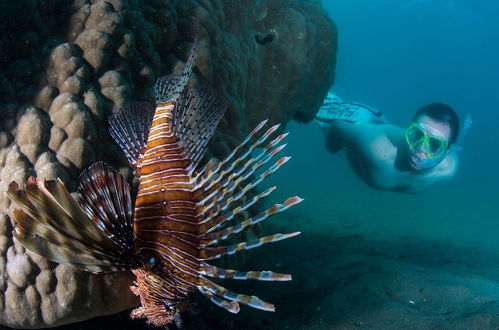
(422, 155)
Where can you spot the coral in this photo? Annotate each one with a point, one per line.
(62, 75)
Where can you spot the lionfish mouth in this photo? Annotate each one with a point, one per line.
(153, 306)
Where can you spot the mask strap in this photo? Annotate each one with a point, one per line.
(466, 126)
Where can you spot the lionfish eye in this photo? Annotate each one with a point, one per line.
(150, 263)
(168, 306)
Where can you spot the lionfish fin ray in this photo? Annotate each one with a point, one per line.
(252, 301)
(28, 227)
(215, 237)
(221, 181)
(210, 253)
(220, 203)
(233, 274)
(52, 224)
(196, 116)
(206, 172)
(230, 306)
(215, 222)
(68, 256)
(105, 199)
(225, 167)
(129, 127)
(53, 209)
(169, 87)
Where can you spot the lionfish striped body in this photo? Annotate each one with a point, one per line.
(182, 212)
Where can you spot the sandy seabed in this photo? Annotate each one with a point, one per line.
(351, 272)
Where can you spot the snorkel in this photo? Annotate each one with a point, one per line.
(456, 146)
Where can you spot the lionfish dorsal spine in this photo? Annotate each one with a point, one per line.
(129, 125)
(169, 88)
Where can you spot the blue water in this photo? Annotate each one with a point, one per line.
(398, 56)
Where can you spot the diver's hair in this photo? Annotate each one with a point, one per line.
(441, 113)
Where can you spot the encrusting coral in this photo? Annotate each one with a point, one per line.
(64, 73)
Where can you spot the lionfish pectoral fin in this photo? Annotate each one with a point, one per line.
(65, 255)
(230, 306)
(129, 127)
(233, 178)
(211, 165)
(43, 239)
(216, 272)
(215, 237)
(223, 293)
(216, 170)
(210, 253)
(105, 198)
(52, 223)
(223, 187)
(47, 209)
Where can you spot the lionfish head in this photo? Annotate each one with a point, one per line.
(158, 310)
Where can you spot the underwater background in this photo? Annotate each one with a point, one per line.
(368, 259)
(397, 56)
(384, 260)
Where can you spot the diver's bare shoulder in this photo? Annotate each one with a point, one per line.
(447, 168)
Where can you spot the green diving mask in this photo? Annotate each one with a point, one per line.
(431, 145)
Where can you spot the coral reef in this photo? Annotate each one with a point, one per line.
(66, 64)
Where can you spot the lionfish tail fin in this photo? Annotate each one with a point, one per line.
(129, 127)
(52, 223)
(169, 88)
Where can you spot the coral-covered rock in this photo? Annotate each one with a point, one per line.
(63, 74)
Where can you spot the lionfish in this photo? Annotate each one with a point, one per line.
(182, 212)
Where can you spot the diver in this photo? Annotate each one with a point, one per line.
(389, 157)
